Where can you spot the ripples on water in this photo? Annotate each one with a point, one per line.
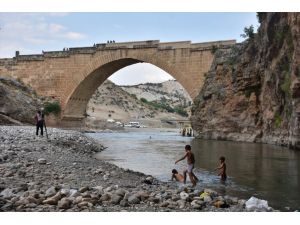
(265, 171)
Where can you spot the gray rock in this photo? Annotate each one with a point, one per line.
(181, 203)
(207, 199)
(64, 203)
(105, 197)
(164, 204)
(7, 193)
(120, 192)
(83, 189)
(184, 195)
(74, 193)
(115, 199)
(105, 177)
(133, 199)
(108, 189)
(53, 200)
(124, 203)
(65, 191)
(50, 192)
(142, 195)
(42, 161)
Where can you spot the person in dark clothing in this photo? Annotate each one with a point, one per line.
(39, 117)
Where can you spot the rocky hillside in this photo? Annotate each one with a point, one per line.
(146, 101)
(170, 92)
(18, 103)
(252, 92)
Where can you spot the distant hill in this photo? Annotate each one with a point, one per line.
(144, 102)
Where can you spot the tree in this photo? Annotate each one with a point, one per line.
(248, 32)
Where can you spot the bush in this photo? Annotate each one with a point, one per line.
(52, 107)
(248, 32)
(214, 49)
(278, 120)
(144, 100)
(181, 111)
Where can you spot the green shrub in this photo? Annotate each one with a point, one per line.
(278, 120)
(181, 111)
(248, 32)
(285, 87)
(214, 49)
(144, 100)
(52, 107)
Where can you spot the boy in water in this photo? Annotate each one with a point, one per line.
(222, 169)
(177, 176)
(190, 165)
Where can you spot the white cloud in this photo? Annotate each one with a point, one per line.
(140, 73)
(74, 36)
(27, 31)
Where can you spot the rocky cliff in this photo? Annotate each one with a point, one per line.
(252, 91)
(18, 103)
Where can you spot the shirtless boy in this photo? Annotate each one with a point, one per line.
(222, 169)
(190, 165)
(177, 176)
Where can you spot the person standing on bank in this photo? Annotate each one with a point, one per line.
(39, 117)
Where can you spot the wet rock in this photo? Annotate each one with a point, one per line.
(42, 161)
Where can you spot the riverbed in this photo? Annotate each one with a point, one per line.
(264, 171)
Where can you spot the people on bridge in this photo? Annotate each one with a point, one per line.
(190, 165)
(39, 117)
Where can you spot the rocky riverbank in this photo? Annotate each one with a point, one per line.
(61, 174)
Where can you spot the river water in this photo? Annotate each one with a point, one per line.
(264, 171)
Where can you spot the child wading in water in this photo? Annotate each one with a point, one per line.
(222, 169)
(177, 176)
(190, 165)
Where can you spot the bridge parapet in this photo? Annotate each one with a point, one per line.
(121, 45)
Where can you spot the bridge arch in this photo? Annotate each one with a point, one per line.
(101, 68)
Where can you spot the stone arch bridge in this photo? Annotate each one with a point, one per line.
(73, 75)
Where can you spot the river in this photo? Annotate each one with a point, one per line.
(265, 171)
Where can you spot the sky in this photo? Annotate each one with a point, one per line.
(32, 33)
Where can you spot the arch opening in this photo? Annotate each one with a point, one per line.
(76, 106)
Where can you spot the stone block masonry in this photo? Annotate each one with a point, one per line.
(74, 74)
